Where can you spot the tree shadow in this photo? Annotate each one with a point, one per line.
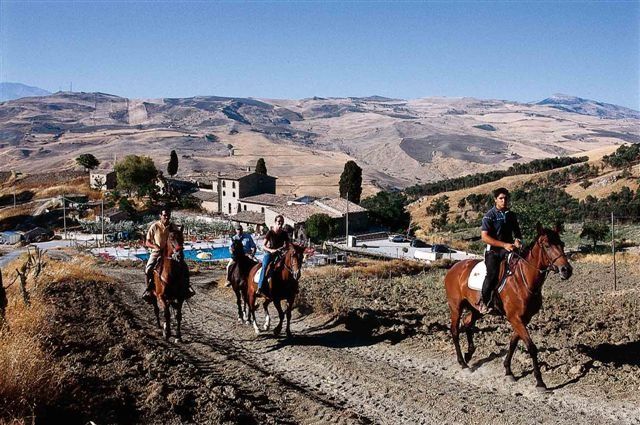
(616, 354)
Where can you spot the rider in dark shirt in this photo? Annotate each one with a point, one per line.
(276, 240)
(501, 232)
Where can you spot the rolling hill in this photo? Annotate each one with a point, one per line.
(306, 142)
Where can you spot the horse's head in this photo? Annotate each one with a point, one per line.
(552, 250)
(237, 249)
(294, 259)
(175, 243)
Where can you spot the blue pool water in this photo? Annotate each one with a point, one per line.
(219, 253)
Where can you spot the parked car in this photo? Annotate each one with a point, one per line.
(417, 243)
(443, 249)
(397, 238)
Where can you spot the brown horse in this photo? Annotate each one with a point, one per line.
(283, 285)
(520, 299)
(238, 277)
(171, 278)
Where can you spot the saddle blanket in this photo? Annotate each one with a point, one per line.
(479, 271)
(476, 278)
(256, 276)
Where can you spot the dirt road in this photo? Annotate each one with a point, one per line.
(327, 374)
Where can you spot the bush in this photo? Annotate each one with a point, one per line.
(320, 227)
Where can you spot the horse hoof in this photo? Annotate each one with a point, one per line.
(510, 378)
(468, 356)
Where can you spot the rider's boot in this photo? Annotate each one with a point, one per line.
(148, 294)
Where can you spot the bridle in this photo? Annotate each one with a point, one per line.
(288, 268)
(550, 266)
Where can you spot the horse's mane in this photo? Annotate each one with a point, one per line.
(552, 235)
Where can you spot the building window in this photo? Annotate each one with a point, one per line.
(262, 210)
(239, 209)
(233, 185)
(245, 207)
(223, 183)
(224, 193)
(234, 194)
(229, 207)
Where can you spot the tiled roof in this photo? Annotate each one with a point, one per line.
(340, 205)
(301, 213)
(205, 195)
(248, 217)
(235, 175)
(269, 199)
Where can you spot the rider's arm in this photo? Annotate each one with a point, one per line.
(486, 238)
(149, 242)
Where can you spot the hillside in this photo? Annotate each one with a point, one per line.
(10, 91)
(397, 142)
(606, 182)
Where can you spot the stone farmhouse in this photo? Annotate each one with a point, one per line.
(102, 179)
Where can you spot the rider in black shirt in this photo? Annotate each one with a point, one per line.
(501, 232)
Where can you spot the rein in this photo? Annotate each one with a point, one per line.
(551, 267)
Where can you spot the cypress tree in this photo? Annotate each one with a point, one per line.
(172, 167)
(261, 167)
(351, 182)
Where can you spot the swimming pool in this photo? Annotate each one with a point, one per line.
(218, 253)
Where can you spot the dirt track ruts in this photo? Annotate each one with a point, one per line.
(325, 374)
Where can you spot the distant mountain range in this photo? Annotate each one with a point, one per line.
(10, 91)
(582, 106)
(306, 142)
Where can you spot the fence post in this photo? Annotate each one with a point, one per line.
(613, 251)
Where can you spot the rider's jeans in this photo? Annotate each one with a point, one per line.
(265, 261)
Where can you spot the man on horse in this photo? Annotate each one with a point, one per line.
(276, 241)
(248, 245)
(501, 232)
(156, 240)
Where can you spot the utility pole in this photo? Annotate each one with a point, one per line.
(613, 251)
(14, 199)
(102, 214)
(64, 215)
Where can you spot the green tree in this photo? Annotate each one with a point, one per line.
(88, 161)
(261, 167)
(387, 209)
(596, 231)
(351, 182)
(172, 167)
(137, 174)
(320, 227)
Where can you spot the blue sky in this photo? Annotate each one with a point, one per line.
(522, 51)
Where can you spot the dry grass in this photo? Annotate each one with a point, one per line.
(624, 258)
(30, 376)
(9, 212)
(371, 269)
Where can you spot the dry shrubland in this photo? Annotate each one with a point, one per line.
(30, 377)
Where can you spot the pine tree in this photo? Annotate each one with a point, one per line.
(261, 167)
(172, 167)
(88, 161)
(351, 182)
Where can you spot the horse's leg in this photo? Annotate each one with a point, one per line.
(507, 360)
(523, 333)
(167, 319)
(156, 311)
(455, 333)
(278, 328)
(289, 308)
(178, 320)
(267, 317)
(469, 322)
(239, 303)
(252, 314)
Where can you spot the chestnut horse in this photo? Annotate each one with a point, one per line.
(238, 277)
(520, 299)
(171, 278)
(283, 285)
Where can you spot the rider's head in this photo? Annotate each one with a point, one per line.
(165, 215)
(238, 228)
(279, 221)
(502, 197)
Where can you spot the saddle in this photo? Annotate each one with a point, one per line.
(479, 272)
(275, 265)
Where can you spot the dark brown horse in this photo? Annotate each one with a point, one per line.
(283, 285)
(520, 299)
(238, 276)
(171, 278)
